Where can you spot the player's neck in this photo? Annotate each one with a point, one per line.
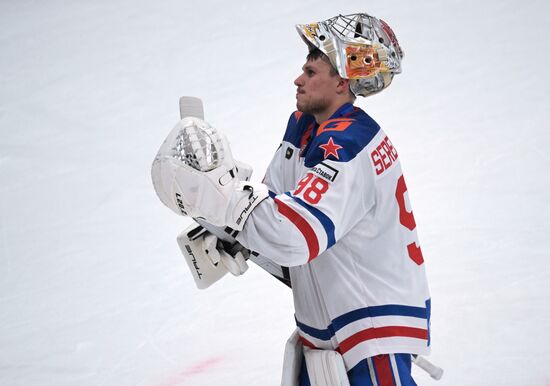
(327, 113)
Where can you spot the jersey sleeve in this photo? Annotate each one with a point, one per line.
(332, 195)
(271, 180)
(276, 174)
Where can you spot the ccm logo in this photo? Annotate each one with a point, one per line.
(383, 156)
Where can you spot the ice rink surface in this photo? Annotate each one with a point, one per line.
(93, 290)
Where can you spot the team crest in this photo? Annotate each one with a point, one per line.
(330, 148)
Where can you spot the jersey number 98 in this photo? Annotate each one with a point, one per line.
(317, 186)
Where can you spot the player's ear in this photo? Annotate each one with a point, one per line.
(343, 85)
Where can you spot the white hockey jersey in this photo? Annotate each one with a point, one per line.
(339, 217)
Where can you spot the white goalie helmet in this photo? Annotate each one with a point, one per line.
(361, 48)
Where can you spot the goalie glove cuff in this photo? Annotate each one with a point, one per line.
(243, 201)
(244, 170)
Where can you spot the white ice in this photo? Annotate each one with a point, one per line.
(93, 288)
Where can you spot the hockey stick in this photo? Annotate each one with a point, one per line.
(434, 371)
(191, 107)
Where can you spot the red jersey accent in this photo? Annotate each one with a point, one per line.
(302, 225)
(330, 148)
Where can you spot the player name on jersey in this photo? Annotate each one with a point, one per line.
(383, 156)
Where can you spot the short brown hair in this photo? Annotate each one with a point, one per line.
(315, 53)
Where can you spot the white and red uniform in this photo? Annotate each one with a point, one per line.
(339, 217)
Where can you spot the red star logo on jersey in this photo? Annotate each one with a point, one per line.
(330, 148)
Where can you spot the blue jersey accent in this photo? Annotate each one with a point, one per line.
(325, 334)
(359, 131)
(325, 221)
(296, 127)
(363, 313)
(429, 314)
(373, 311)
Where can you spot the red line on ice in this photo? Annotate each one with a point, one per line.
(198, 368)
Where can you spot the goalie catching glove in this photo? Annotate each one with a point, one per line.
(210, 258)
(195, 175)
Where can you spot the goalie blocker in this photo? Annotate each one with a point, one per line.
(210, 258)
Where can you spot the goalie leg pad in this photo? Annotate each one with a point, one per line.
(292, 361)
(325, 368)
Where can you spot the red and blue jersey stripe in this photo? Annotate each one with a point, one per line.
(348, 341)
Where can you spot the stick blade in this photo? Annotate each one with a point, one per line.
(191, 107)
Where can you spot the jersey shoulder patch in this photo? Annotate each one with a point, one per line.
(341, 139)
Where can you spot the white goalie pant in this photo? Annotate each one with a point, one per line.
(324, 367)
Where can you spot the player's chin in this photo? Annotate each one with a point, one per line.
(300, 105)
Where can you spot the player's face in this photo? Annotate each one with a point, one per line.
(316, 87)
